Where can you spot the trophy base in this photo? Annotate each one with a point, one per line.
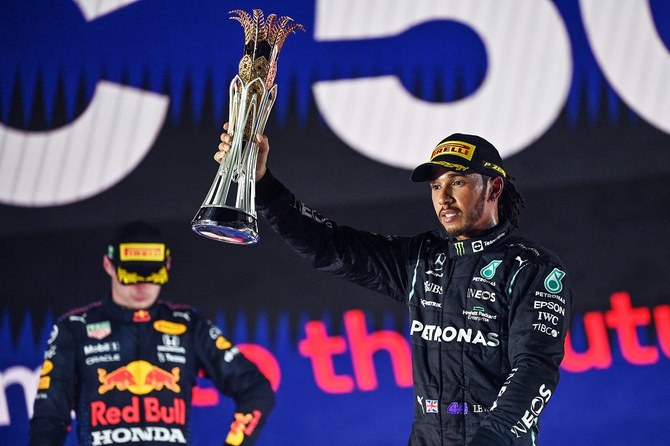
(226, 224)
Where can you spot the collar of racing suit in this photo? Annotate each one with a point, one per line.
(459, 248)
(120, 313)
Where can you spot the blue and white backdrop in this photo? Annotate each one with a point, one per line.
(111, 110)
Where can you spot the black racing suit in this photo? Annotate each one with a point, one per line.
(488, 317)
(129, 376)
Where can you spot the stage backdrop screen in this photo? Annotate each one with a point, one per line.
(111, 111)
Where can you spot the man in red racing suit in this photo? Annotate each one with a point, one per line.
(127, 364)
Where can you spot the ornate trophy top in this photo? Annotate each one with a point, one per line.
(263, 39)
(228, 213)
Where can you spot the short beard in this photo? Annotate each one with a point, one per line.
(474, 216)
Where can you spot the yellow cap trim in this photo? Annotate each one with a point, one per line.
(495, 167)
(450, 165)
(128, 278)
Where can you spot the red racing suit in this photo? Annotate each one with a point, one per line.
(488, 317)
(129, 374)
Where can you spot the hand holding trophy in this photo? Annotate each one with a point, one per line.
(228, 213)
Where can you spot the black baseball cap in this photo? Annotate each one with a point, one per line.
(140, 254)
(462, 153)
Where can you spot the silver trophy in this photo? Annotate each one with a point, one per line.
(228, 213)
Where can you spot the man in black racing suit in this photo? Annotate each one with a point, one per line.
(489, 311)
(127, 365)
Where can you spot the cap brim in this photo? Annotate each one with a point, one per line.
(423, 172)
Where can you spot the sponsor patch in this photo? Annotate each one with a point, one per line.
(243, 425)
(549, 331)
(53, 335)
(98, 330)
(102, 347)
(438, 333)
(223, 343)
(529, 418)
(231, 353)
(553, 306)
(45, 380)
(139, 378)
(141, 316)
(490, 270)
(142, 252)
(481, 294)
(167, 327)
(479, 314)
(149, 409)
(552, 282)
(458, 148)
(457, 408)
(430, 287)
(549, 296)
(136, 435)
(430, 303)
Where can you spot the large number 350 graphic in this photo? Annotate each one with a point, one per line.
(524, 90)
